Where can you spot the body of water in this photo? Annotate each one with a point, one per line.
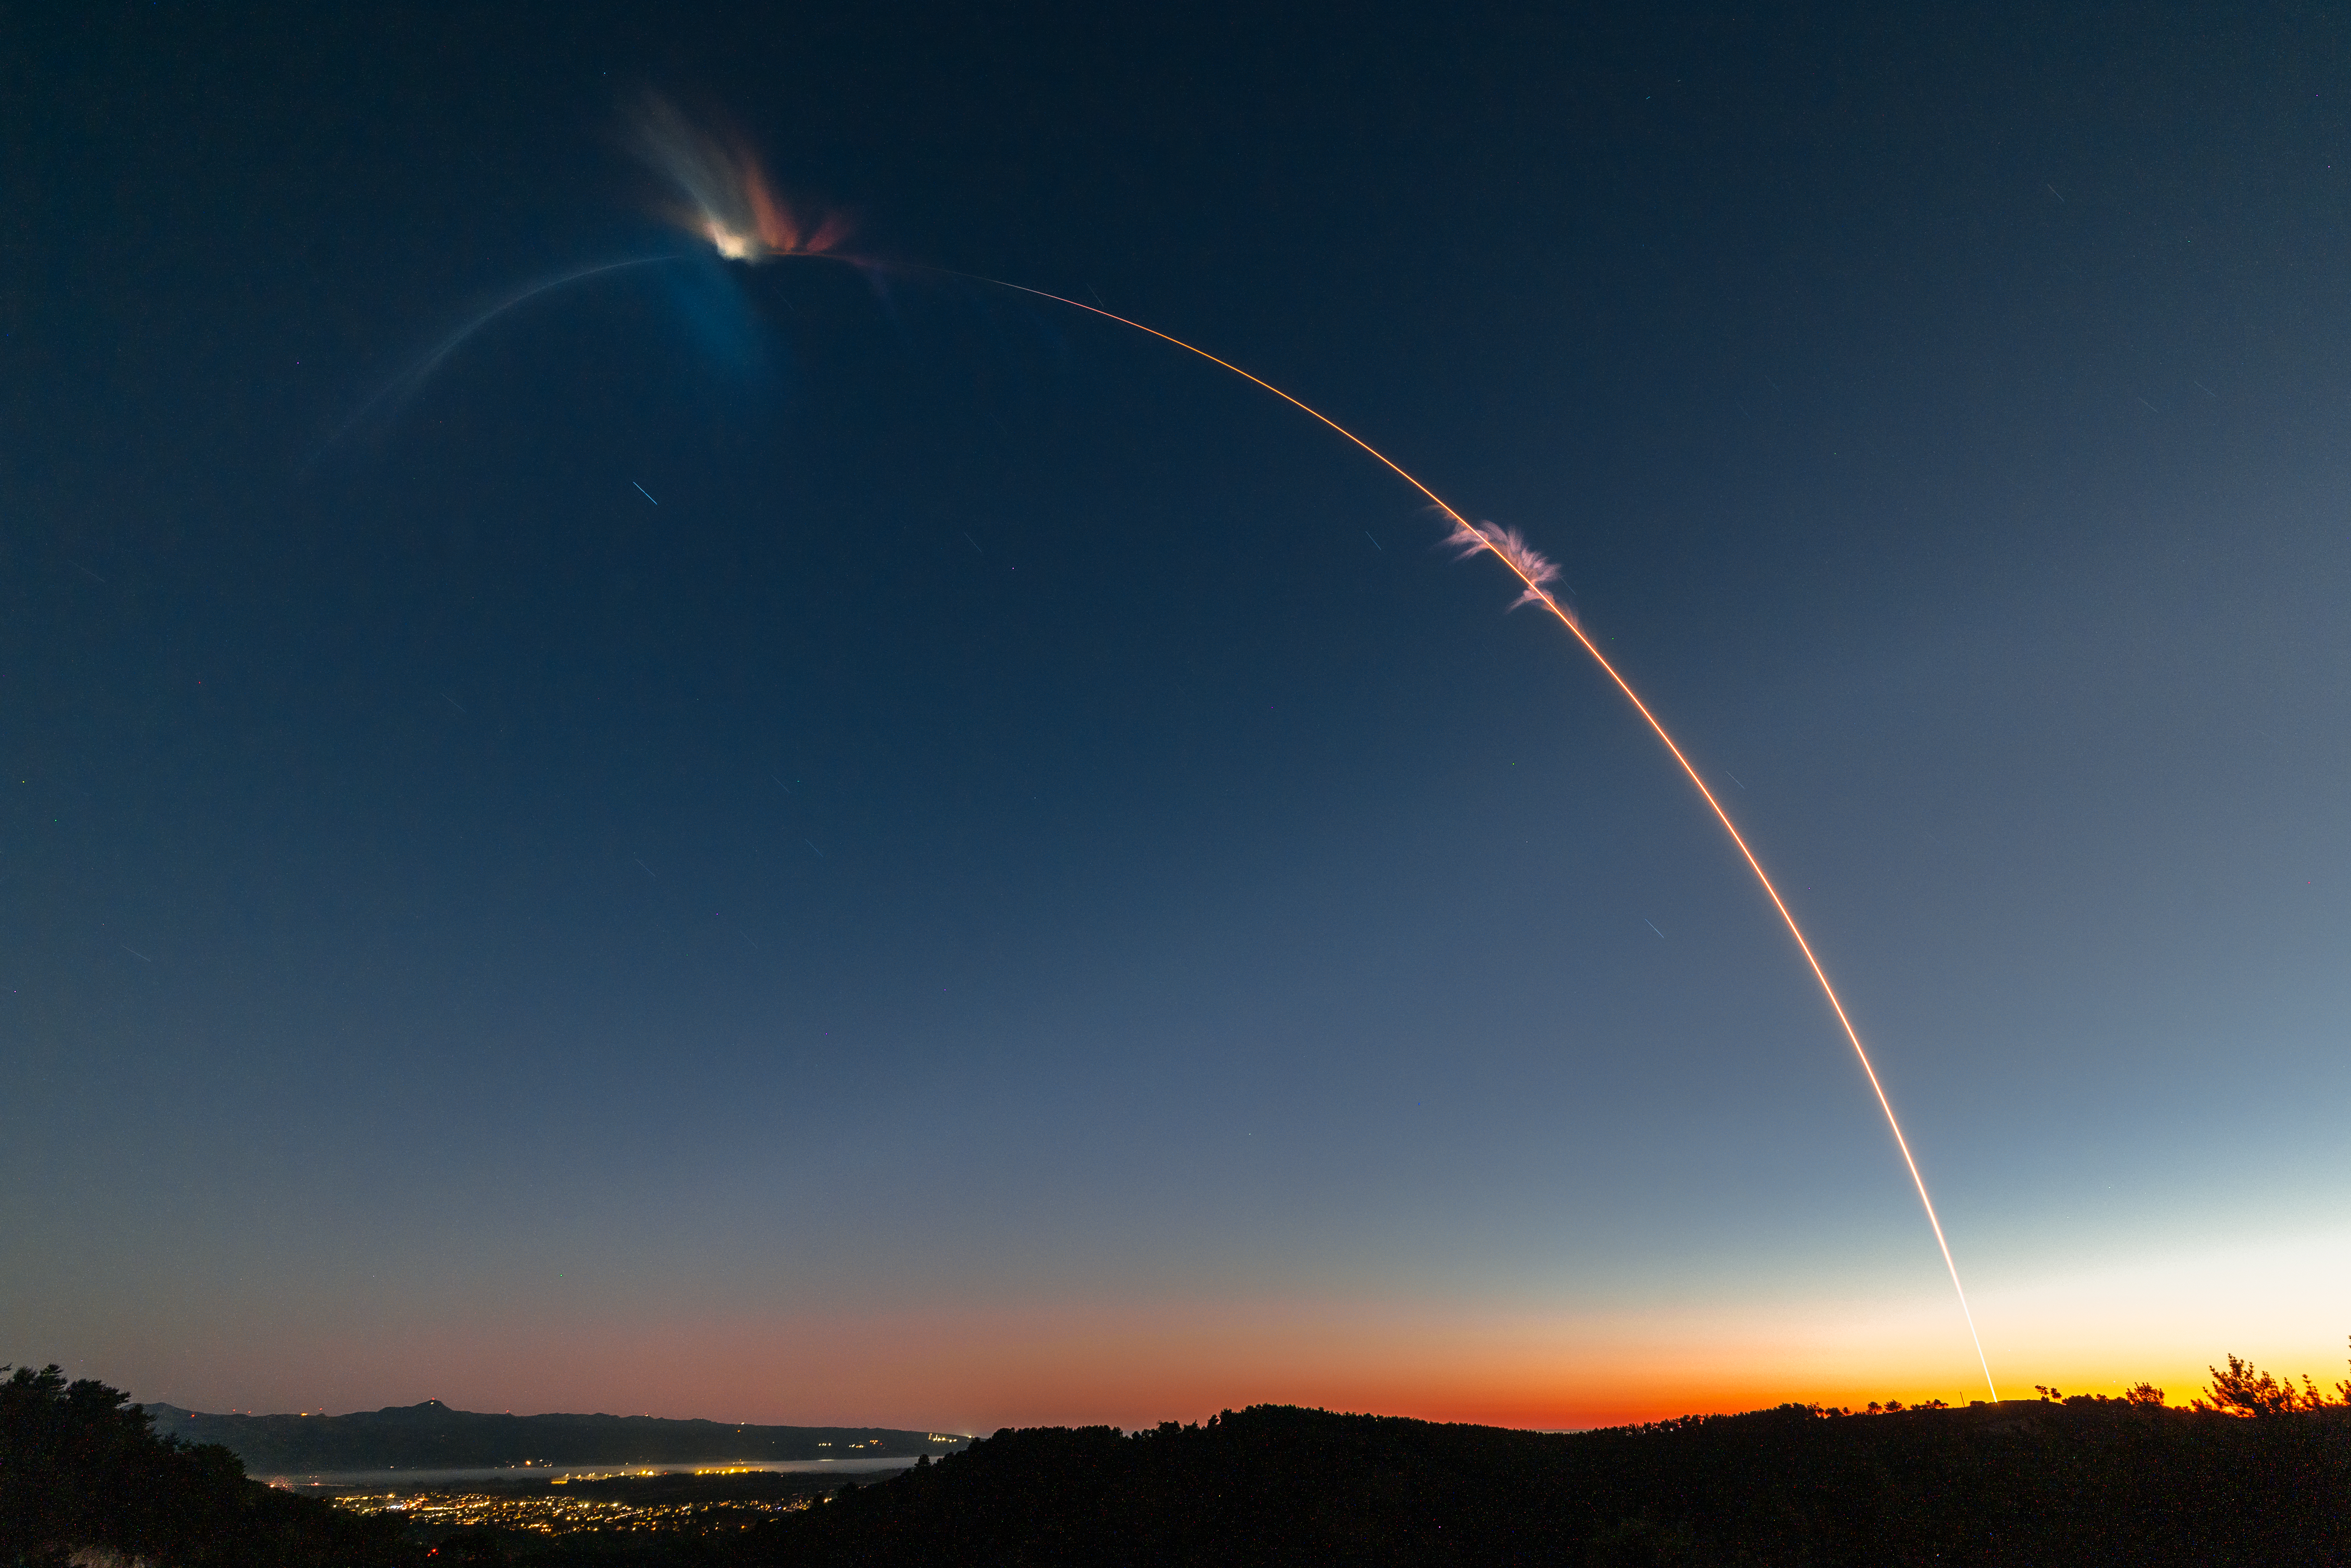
(396, 1479)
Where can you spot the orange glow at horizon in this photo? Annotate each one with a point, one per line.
(2161, 1314)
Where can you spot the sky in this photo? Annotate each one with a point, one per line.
(828, 841)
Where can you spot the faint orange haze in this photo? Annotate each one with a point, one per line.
(779, 228)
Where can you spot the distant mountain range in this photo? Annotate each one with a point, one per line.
(430, 1436)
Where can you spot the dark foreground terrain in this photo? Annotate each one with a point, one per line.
(2018, 1483)
(2011, 1484)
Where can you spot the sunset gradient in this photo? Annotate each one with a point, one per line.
(587, 826)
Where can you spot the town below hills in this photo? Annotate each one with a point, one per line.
(432, 1435)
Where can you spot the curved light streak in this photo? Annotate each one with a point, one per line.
(1536, 593)
(415, 377)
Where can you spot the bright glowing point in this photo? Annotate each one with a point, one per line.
(727, 196)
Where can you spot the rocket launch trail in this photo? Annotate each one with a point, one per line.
(725, 198)
(1533, 573)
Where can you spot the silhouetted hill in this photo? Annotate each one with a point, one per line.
(81, 1471)
(2013, 1484)
(430, 1436)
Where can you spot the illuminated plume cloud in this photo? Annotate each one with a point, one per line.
(726, 200)
(1531, 564)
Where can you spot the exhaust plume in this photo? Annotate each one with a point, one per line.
(724, 194)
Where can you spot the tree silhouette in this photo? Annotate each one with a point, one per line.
(2246, 1390)
(82, 1468)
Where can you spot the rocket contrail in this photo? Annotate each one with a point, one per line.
(728, 202)
(1533, 572)
(409, 380)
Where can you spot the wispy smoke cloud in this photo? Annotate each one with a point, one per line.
(1533, 568)
(727, 198)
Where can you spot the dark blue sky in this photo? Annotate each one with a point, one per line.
(1021, 884)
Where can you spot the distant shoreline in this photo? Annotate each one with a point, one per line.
(406, 1441)
(535, 1477)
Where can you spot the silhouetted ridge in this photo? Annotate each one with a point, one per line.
(2018, 1483)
